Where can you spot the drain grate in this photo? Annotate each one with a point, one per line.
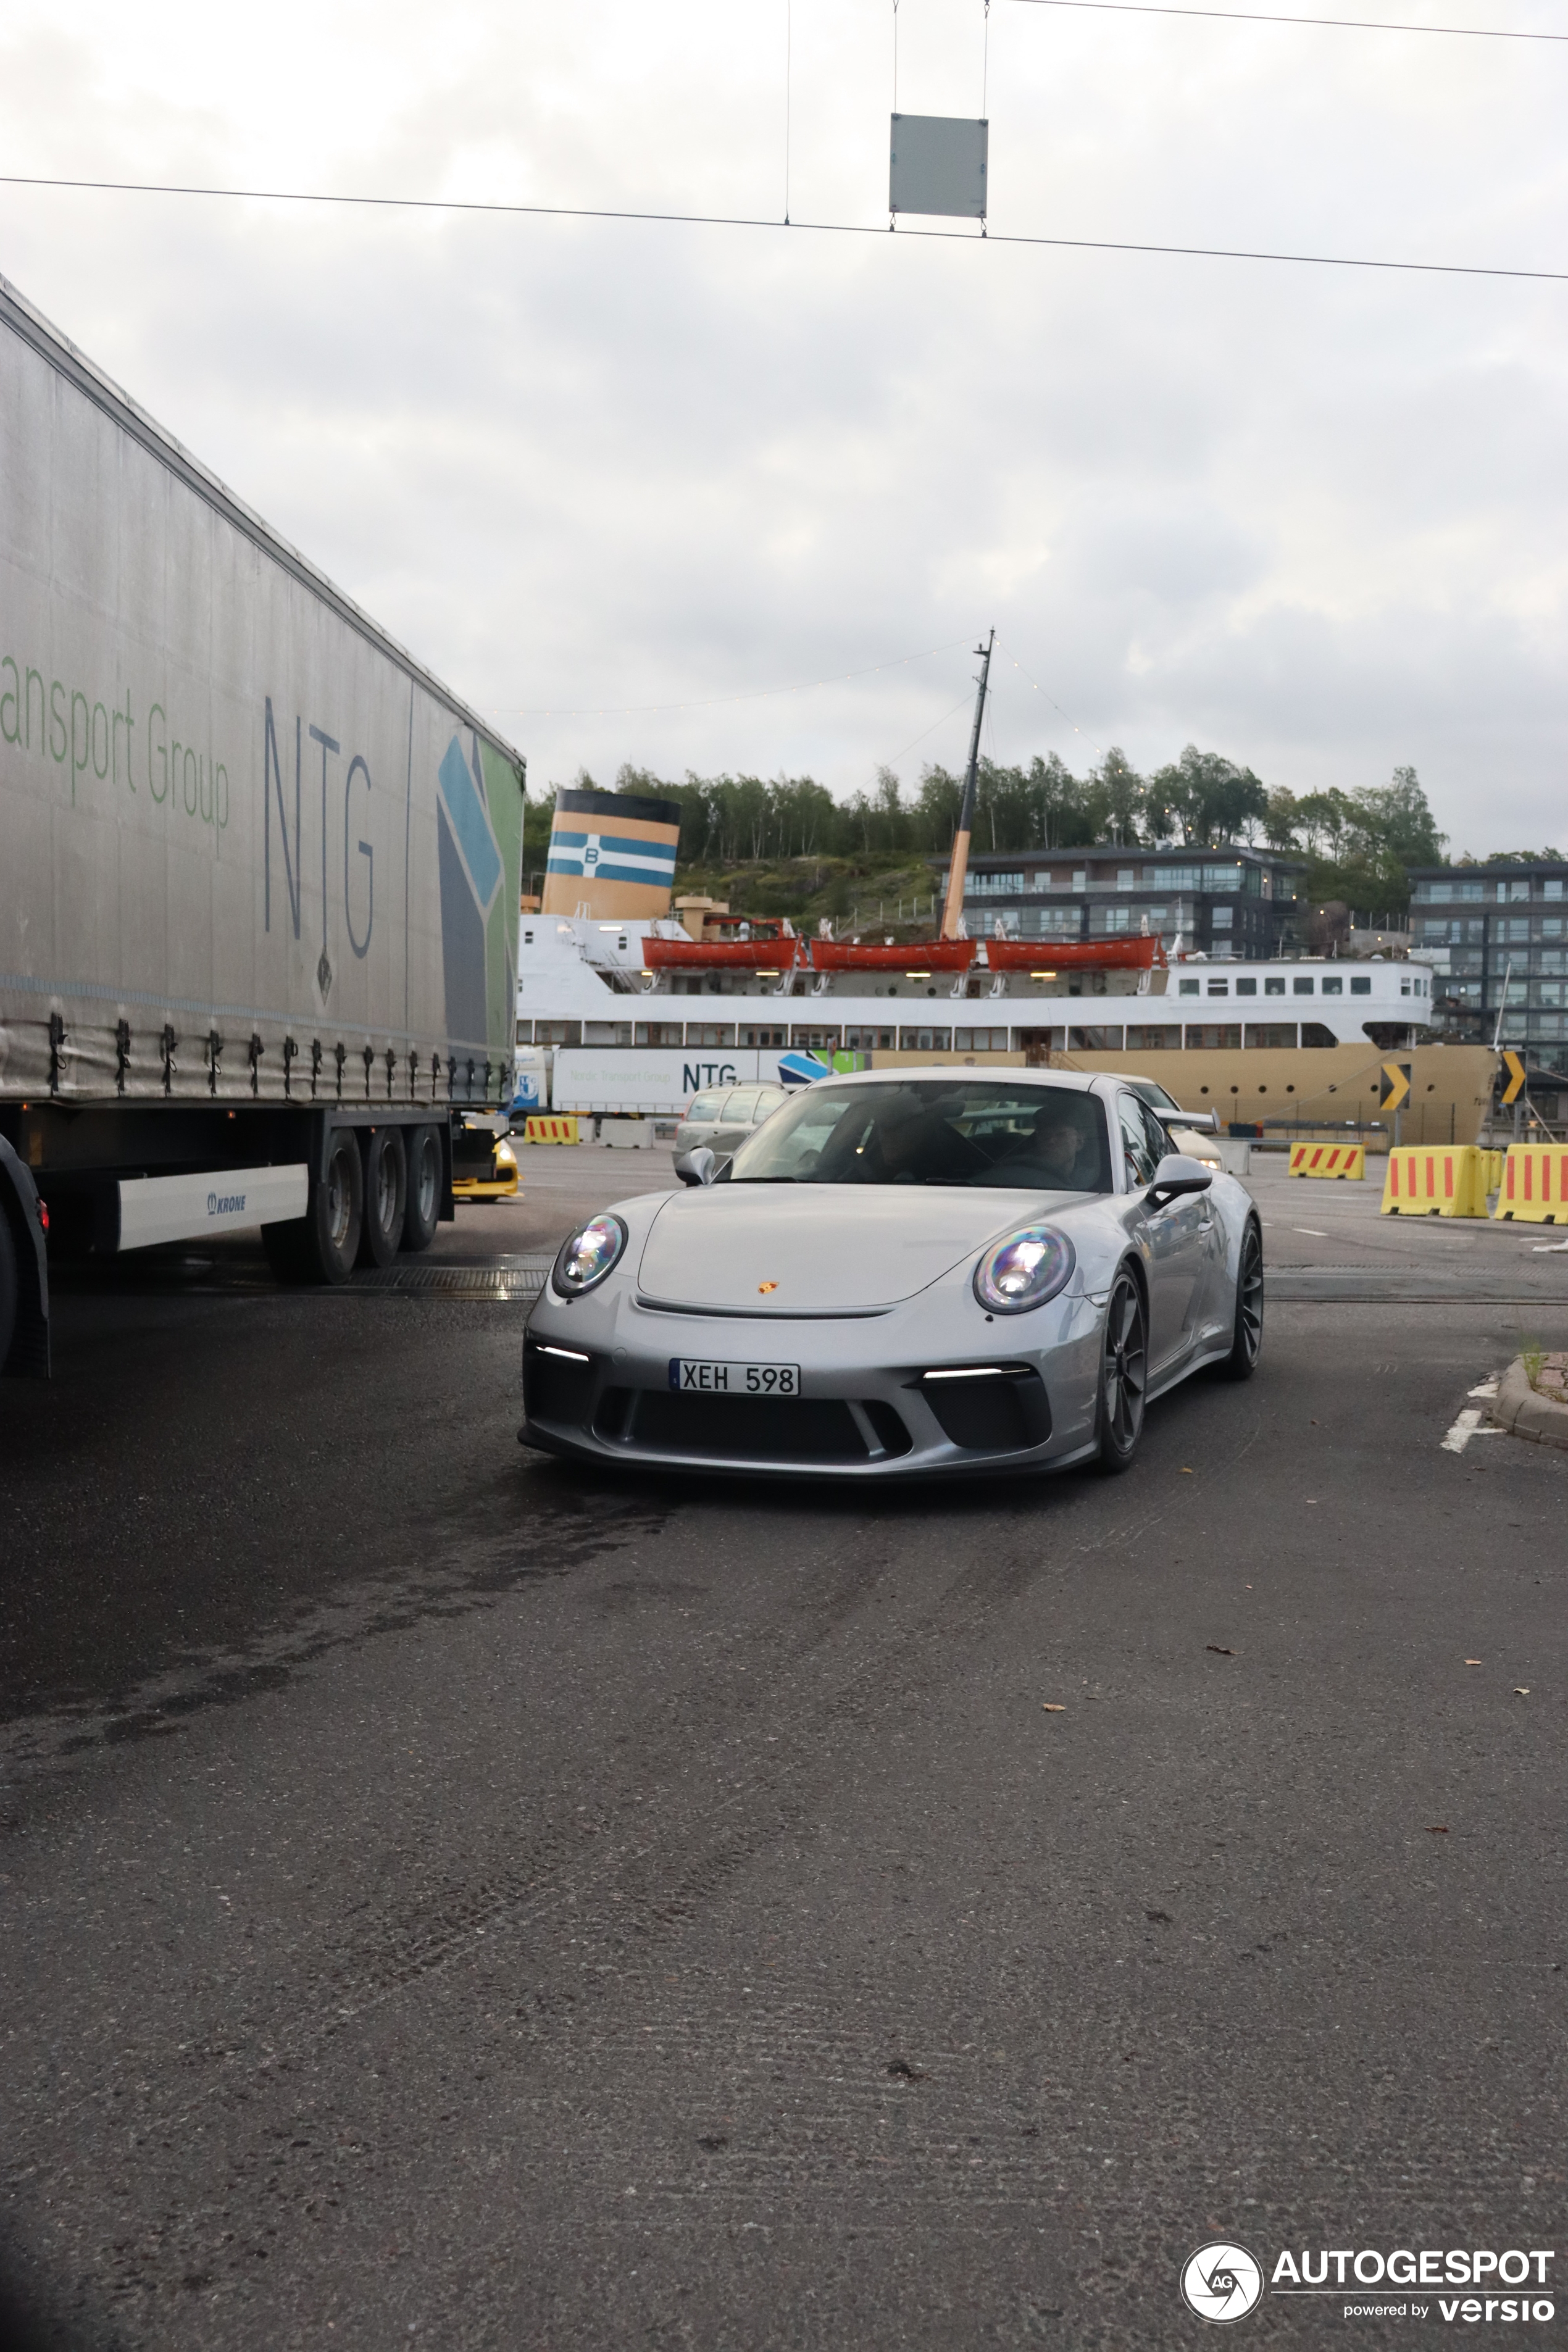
(483, 1282)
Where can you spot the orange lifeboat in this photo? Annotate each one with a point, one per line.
(1138, 954)
(774, 955)
(923, 955)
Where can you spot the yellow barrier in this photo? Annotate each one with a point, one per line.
(1327, 1159)
(1492, 1169)
(1534, 1188)
(541, 1130)
(1435, 1181)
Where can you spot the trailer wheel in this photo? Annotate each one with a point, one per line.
(336, 1211)
(423, 1206)
(8, 1288)
(386, 1191)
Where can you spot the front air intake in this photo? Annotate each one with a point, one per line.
(995, 1413)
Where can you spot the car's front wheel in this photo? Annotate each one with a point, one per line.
(1246, 1342)
(1123, 1374)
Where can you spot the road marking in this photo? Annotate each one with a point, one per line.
(1313, 1230)
(1469, 1425)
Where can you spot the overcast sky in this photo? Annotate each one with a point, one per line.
(1314, 518)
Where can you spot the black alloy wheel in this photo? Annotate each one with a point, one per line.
(1246, 1344)
(1123, 1374)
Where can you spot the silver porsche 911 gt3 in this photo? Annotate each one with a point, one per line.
(901, 1274)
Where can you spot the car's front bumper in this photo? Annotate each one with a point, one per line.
(504, 1187)
(596, 1386)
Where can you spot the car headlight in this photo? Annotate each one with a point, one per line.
(1030, 1266)
(505, 1156)
(587, 1256)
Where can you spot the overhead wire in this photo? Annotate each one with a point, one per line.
(741, 220)
(928, 730)
(1050, 698)
(789, 61)
(1263, 16)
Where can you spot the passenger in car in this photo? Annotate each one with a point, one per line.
(1062, 1150)
(913, 1143)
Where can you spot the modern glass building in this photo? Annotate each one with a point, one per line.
(1229, 902)
(1496, 940)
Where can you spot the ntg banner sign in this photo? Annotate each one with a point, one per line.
(611, 1079)
(588, 1078)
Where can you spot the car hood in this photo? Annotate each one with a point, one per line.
(828, 1248)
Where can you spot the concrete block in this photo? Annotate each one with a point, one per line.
(1524, 1413)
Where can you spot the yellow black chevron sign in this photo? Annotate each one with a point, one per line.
(1393, 1085)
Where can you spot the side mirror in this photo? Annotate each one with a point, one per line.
(1175, 1175)
(1201, 1122)
(695, 1167)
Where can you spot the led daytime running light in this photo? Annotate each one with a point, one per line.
(1026, 1269)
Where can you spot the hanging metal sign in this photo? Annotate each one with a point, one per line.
(938, 165)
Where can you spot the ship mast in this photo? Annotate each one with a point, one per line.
(953, 907)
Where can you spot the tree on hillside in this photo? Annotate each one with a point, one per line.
(1281, 816)
(1397, 817)
(1358, 846)
(1205, 798)
(1063, 818)
(1117, 793)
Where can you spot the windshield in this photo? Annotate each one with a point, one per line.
(1155, 1094)
(938, 1130)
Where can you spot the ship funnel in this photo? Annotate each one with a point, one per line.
(611, 854)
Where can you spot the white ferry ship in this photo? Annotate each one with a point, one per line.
(623, 1009)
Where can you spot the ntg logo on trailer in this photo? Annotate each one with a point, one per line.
(471, 869)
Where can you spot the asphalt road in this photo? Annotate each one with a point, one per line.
(451, 1899)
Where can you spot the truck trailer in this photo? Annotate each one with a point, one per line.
(259, 871)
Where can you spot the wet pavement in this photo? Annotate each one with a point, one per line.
(452, 1898)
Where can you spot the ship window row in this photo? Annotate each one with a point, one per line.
(930, 1037)
(1302, 985)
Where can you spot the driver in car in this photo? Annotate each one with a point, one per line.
(912, 1143)
(1057, 1148)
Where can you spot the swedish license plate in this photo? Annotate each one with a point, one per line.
(733, 1379)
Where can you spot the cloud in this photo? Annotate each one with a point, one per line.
(1312, 518)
